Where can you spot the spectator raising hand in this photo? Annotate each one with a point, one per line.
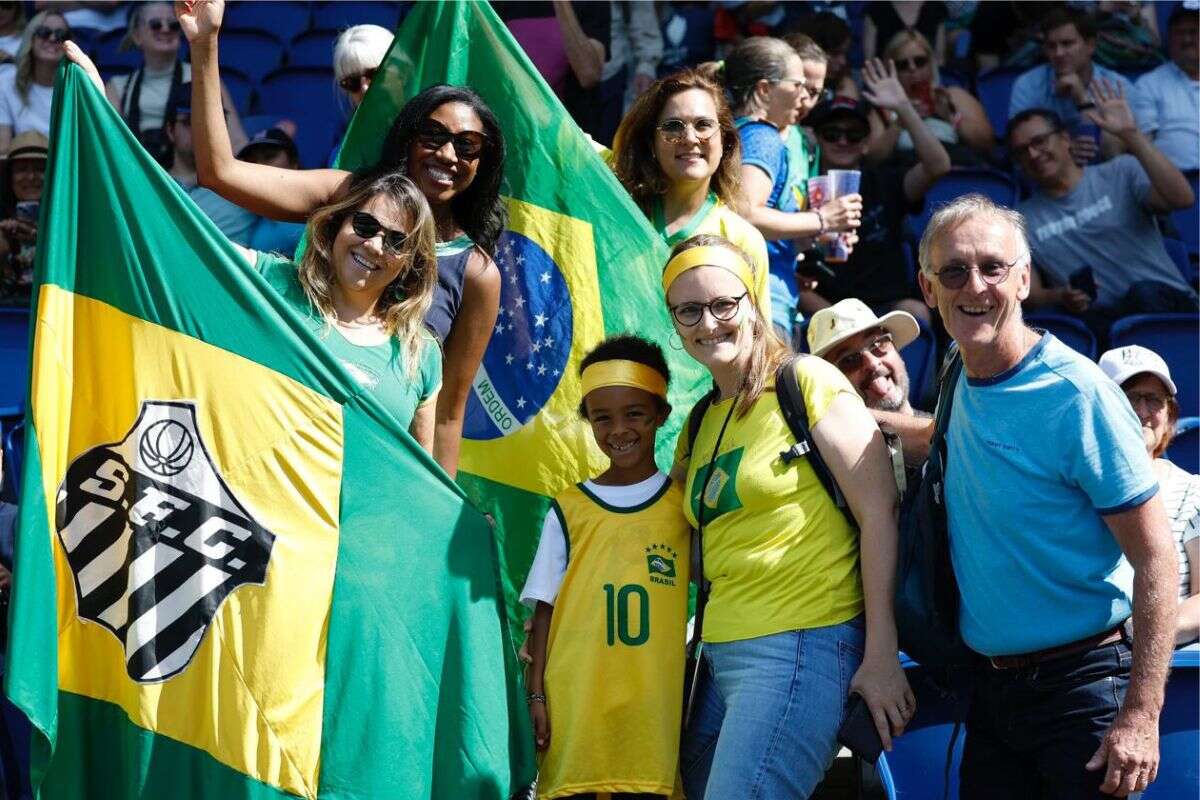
(882, 85)
(1110, 110)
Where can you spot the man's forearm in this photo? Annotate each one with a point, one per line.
(1155, 604)
(915, 433)
(1164, 176)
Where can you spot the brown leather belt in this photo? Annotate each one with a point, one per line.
(1038, 656)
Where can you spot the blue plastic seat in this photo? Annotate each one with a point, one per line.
(920, 359)
(240, 87)
(109, 55)
(997, 186)
(14, 456)
(1187, 221)
(14, 360)
(994, 89)
(1069, 330)
(1184, 451)
(280, 19)
(1175, 337)
(305, 95)
(1178, 252)
(313, 49)
(339, 16)
(251, 52)
(1179, 730)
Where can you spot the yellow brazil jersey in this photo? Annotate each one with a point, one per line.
(779, 553)
(614, 671)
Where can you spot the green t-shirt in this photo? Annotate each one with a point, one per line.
(377, 368)
(804, 162)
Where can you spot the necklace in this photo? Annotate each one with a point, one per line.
(354, 325)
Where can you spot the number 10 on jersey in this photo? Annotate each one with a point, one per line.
(616, 605)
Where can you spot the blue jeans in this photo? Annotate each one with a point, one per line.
(1031, 730)
(767, 712)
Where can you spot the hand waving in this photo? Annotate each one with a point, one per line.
(199, 19)
(1112, 113)
(883, 88)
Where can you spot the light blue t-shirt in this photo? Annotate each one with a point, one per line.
(763, 147)
(1035, 457)
(1035, 89)
(1166, 104)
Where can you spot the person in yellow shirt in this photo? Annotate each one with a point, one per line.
(678, 154)
(800, 608)
(609, 588)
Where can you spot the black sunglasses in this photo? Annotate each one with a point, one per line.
(851, 135)
(467, 145)
(955, 276)
(916, 62)
(52, 34)
(352, 83)
(157, 25)
(878, 347)
(366, 226)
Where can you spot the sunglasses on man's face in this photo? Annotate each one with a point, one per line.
(879, 347)
(467, 145)
(49, 34)
(839, 135)
(955, 276)
(354, 83)
(910, 64)
(157, 25)
(366, 227)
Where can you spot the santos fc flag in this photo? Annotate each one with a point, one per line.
(236, 575)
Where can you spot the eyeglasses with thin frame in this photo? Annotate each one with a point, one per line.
(157, 25)
(838, 135)
(354, 83)
(1023, 150)
(879, 347)
(674, 130)
(910, 64)
(468, 145)
(1153, 401)
(53, 35)
(722, 308)
(993, 272)
(365, 226)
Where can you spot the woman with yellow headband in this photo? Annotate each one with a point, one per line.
(800, 609)
(609, 589)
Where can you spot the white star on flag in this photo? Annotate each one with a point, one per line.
(539, 320)
(520, 402)
(545, 277)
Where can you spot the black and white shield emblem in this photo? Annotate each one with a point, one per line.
(156, 540)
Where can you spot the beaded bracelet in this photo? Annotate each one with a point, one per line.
(535, 697)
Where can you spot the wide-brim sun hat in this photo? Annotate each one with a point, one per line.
(831, 326)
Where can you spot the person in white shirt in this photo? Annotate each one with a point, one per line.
(26, 93)
(1166, 101)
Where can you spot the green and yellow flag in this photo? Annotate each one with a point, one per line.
(579, 262)
(224, 587)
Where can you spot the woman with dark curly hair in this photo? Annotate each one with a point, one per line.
(678, 155)
(447, 142)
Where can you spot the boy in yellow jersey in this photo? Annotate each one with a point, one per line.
(609, 587)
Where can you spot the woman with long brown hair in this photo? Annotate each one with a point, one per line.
(678, 155)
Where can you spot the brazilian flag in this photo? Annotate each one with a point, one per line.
(236, 575)
(579, 262)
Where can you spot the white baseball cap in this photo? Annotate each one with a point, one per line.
(1123, 363)
(831, 326)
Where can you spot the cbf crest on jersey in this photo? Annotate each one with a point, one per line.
(155, 539)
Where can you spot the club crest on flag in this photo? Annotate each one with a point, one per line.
(156, 540)
(530, 343)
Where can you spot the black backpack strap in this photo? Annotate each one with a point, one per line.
(795, 413)
(696, 417)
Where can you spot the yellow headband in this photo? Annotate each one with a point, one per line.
(708, 257)
(620, 372)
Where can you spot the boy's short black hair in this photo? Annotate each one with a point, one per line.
(1082, 21)
(627, 347)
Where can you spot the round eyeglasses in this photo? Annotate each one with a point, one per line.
(722, 308)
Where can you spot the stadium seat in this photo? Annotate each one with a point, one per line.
(240, 87)
(87, 39)
(283, 20)
(339, 16)
(14, 457)
(1178, 252)
(251, 52)
(14, 360)
(109, 54)
(1184, 451)
(1175, 337)
(920, 359)
(997, 186)
(1068, 330)
(306, 95)
(313, 49)
(1187, 221)
(1179, 729)
(994, 88)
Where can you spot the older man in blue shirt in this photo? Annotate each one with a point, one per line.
(1057, 535)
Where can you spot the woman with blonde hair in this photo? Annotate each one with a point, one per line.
(678, 154)
(357, 54)
(27, 92)
(145, 96)
(12, 25)
(952, 113)
(799, 614)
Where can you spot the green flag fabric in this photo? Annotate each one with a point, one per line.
(223, 587)
(579, 262)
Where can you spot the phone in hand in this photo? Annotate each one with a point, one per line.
(27, 210)
(858, 733)
(1083, 280)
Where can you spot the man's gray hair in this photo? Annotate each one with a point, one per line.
(958, 211)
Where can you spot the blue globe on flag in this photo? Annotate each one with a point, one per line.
(530, 344)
